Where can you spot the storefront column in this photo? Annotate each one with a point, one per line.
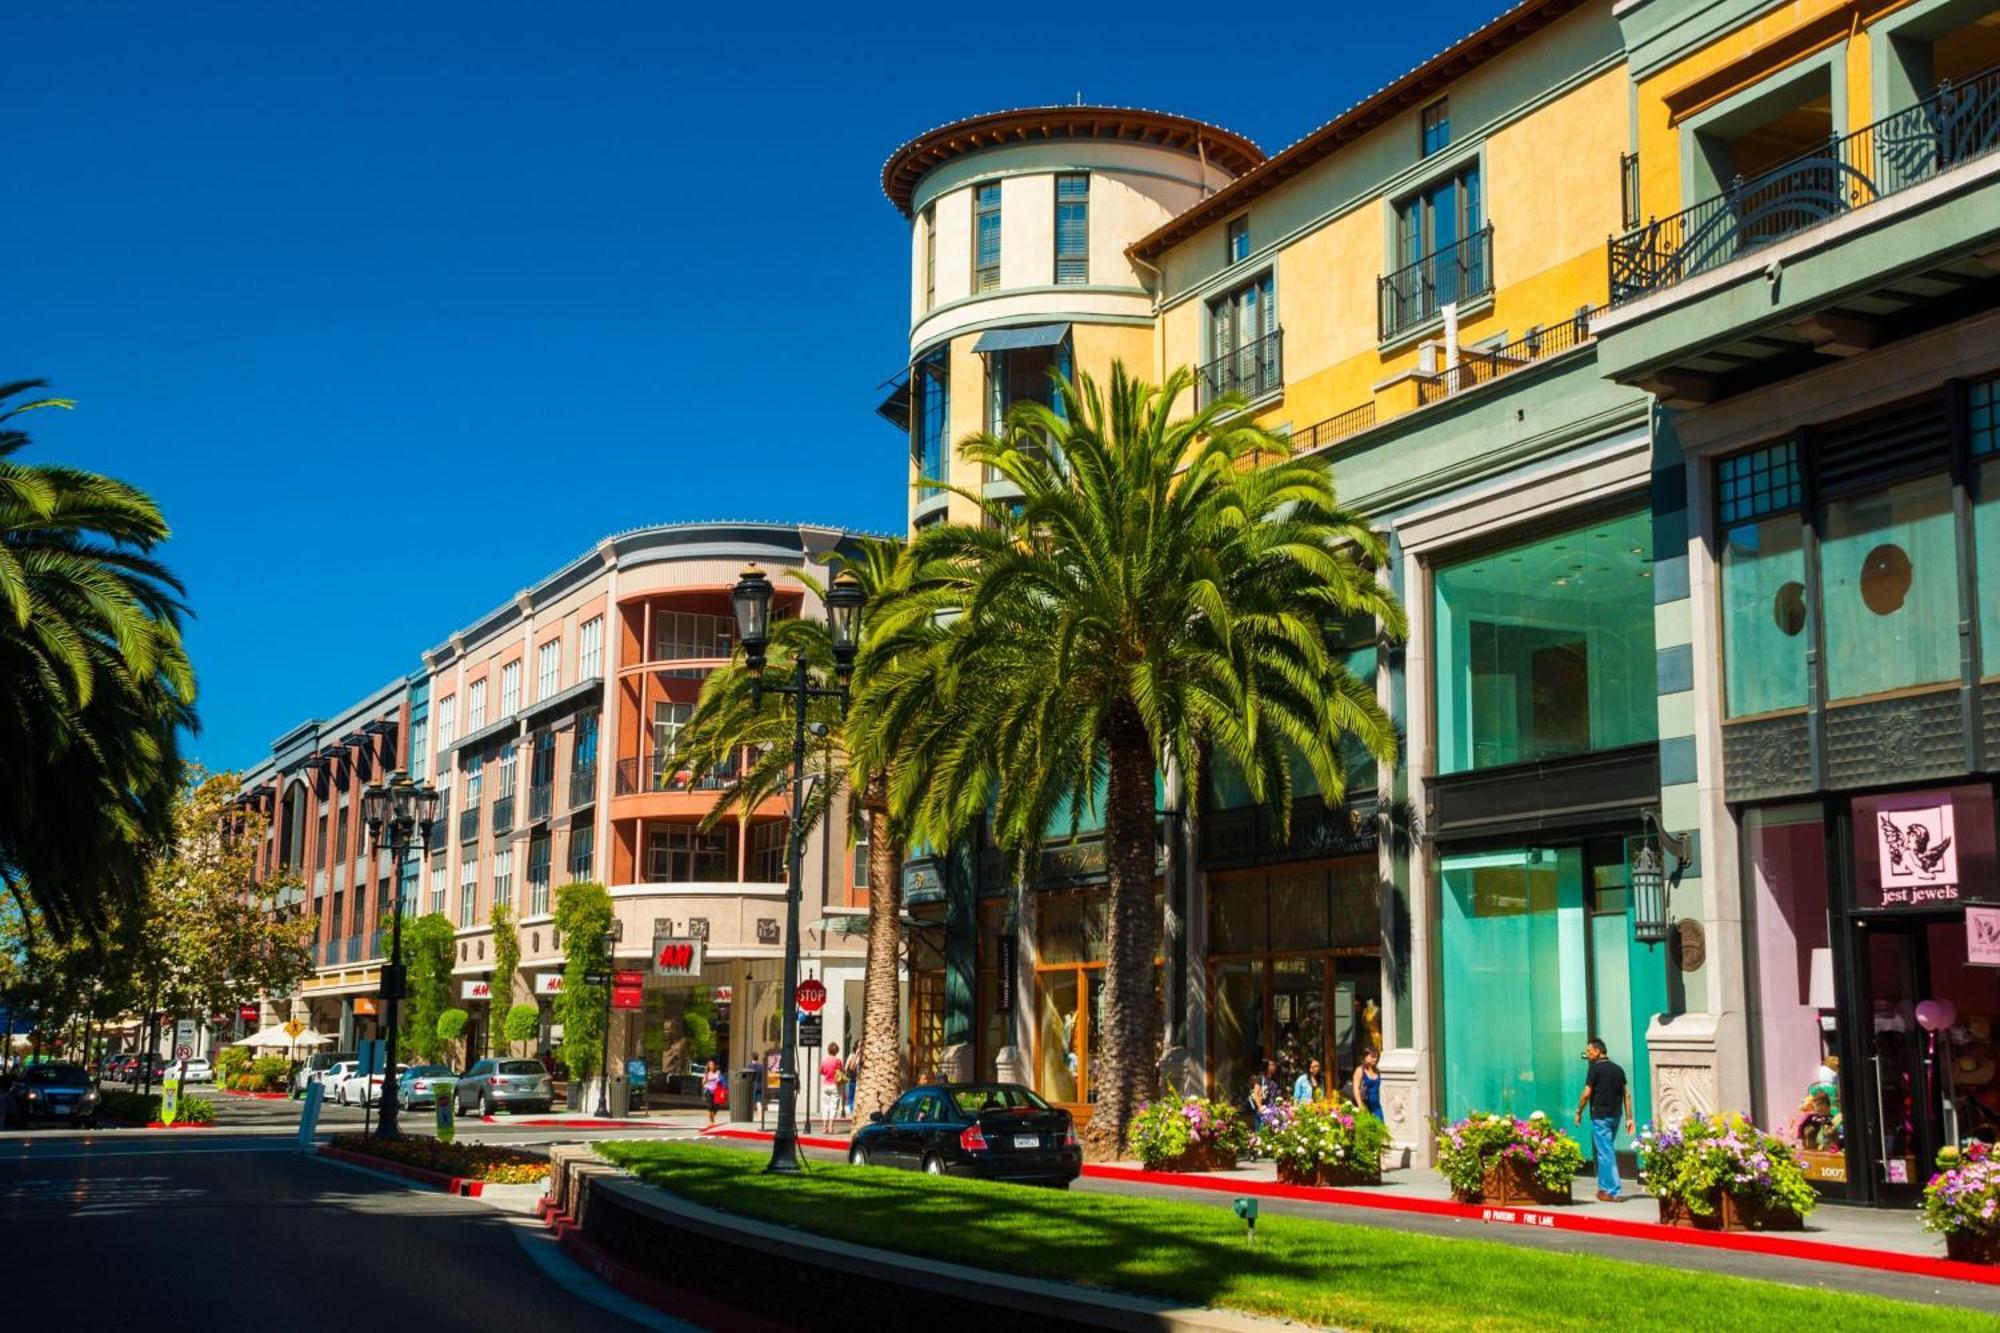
(1409, 1084)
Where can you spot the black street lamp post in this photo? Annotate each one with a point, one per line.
(752, 601)
(610, 941)
(394, 810)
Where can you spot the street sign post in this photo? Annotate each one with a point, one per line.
(309, 1114)
(811, 1028)
(170, 1099)
(447, 1109)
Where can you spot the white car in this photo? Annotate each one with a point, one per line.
(198, 1071)
(334, 1079)
(352, 1088)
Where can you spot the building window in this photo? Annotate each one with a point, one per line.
(767, 851)
(986, 237)
(860, 877)
(447, 717)
(340, 833)
(468, 892)
(1244, 346)
(504, 783)
(437, 886)
(503, 877)
(1546, 649)
(681, 636)
(930, 423)
(420, 747)
(475, 781)
(583, 746)
(582, 853)
(548, 669)
(930, 258)
(538, 875)
(1437, 126)
(1238, 243)
(475, 708)
(1889, 581)
(510, 689)
(1764, 612)
(686, 854)
(1073, 228)
(668, 719)
(1985, 424)
(1443, 252)
(590, 649)
(1628, 188)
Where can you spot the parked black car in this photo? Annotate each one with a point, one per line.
(994, 1131)
(51, 1091)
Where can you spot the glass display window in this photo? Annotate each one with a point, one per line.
(1889, 581)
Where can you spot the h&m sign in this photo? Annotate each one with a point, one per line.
(673, 957)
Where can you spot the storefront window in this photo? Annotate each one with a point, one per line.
(1063, 1038)
(1546, 649)
(1889, 575)
(1986, 539)
(1764, 614)
(1785, 884)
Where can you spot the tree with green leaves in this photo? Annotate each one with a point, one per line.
(523, 1023)
(95, 685)
(583, 915)
(726, 721)
(506, 961)
(429, 944)
(1160, 592)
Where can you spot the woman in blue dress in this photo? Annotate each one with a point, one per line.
(1368, 1083)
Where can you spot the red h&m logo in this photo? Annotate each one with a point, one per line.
(677, 958)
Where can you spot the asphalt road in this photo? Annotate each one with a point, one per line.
(235, 1223)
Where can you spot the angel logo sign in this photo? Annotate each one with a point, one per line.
(1916, 850)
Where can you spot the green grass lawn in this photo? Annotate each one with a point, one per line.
(1317, 1272)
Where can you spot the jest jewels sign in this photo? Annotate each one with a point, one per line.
(1922, 849)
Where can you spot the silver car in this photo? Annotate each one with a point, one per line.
(505, 1085)
(418, 1085)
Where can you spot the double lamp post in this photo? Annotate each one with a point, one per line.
(751, 599)
(395, 810)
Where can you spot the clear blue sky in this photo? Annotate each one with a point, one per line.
(356, 289)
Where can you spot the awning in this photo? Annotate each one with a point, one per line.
(895, 409)
(1014, 340)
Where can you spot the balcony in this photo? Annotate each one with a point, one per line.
(1953, 126)
(468, 825)
(583, 785)
(541, 801)
(1334, 429)
(1419, 292)
(1478, 366)
(1250, 372)
(660, 773)
(503, 814)
(353, 950)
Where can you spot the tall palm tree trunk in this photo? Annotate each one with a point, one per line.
(881, 1078)
(1122, 1050)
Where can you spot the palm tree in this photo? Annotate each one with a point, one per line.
(1160, 593)
(726, 722)
(95, 685)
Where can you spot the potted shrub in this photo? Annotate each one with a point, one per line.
(1503, 1160)
(1324, 1143)
(1722, 1173)
(1188, 1134)
(1962, 1203)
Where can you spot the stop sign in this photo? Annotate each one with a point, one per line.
(811, 996)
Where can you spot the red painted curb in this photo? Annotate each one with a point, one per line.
(1751, 1242)
(258, 1096)
(670, 1300)
(154, 1124)
(555, 1123)
(765, 1136)
(459, 1185)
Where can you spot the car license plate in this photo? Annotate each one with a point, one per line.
(1027, 1140)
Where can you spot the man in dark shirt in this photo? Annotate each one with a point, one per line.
(1605, 1091)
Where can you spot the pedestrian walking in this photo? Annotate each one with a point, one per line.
(1368, 1082)
(1306, 1087)
(1605, 1091)
(851, 1077)
(831, 1068)
(711, 1087)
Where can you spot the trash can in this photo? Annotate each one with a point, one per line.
(621, 1096)
(743, 1093)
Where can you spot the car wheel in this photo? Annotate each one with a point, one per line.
(485, 1104)
(933, 1166)
(857, 1155)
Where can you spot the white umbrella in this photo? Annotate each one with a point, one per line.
(270, 1036)
(310, 1038)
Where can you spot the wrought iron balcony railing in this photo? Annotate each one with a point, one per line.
(1954, 125)
(541, 800)
(1252, 370)
(1418, 292)
(663, 772)
(583, 785)
(353, 948)
(1322, 433)
(1476, 366)
(503, 814)
(468, 825)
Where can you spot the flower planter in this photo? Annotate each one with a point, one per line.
(1972, 1247)
(1333, 1175)
(1201, 1157)
(1731, 1213)
(1510, 1182)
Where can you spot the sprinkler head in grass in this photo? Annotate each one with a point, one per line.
(1247, 1210)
